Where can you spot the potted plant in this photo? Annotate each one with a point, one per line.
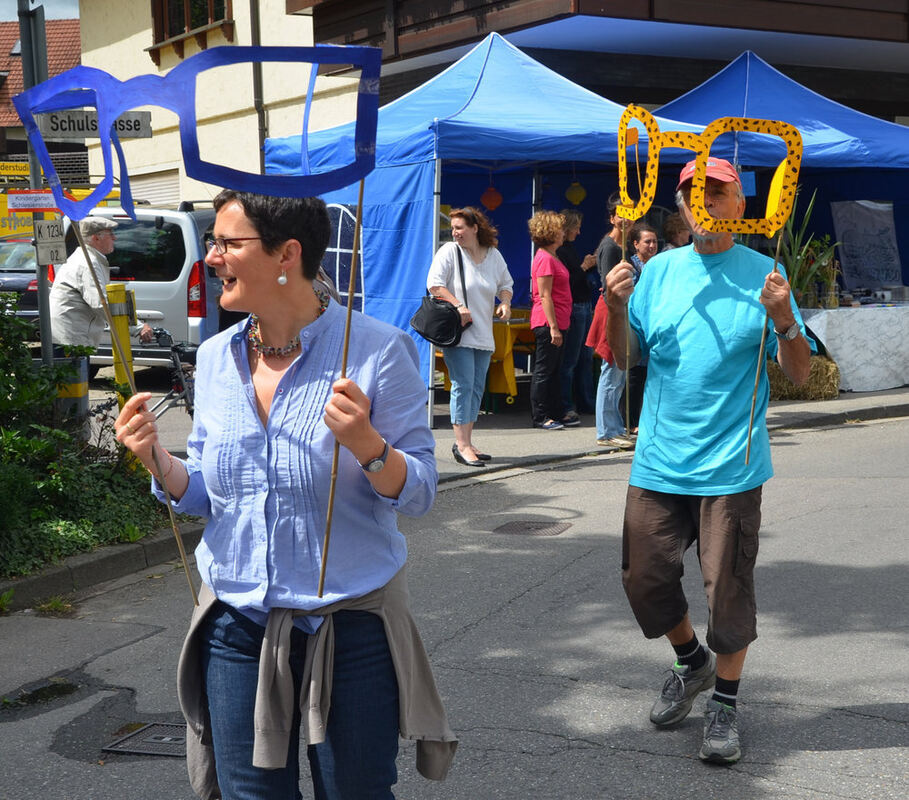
(809, 261)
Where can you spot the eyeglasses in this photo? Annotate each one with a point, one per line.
(220, 243)
(85, 86)
(784, 182)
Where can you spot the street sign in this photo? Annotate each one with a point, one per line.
(50, 241)
(84, 125)
(31, 200)
(16, 169)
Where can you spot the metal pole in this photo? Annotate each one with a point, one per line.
(34, 70)
(436, 233)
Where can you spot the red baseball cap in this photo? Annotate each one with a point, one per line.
(717, 168)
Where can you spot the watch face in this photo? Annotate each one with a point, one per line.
(375, 464)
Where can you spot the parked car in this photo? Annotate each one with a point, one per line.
(18, 276)
(160, 257)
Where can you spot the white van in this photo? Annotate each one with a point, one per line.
(160, 257)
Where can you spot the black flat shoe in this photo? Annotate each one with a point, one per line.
(461, 460)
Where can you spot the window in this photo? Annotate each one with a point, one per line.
(174, 21)
(144, 250)
(176, 17)
(339, 253)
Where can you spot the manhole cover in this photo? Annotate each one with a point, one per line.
(154, 739)
(533, 528)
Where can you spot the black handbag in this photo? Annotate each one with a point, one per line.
(438, 321)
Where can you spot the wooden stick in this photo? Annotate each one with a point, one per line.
(131, 379)
(627, 349)
(351, 289)
(760, 363)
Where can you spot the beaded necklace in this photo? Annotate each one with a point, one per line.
(254, 335)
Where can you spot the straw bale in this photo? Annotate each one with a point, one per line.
(823, 381)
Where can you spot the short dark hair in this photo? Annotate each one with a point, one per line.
(638, 229)
(278, 219)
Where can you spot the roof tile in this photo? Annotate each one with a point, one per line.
(64, 51)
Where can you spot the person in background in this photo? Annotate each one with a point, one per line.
(613, 246)
(486, 277)
(550, 316)
(610, 426)
(699, 313)
(576, 372)
(643, 239)
(675, 232)
(76, 310)
(264, 643)
(644, 244)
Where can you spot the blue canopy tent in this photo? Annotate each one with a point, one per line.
(847, 155)
(495, 116)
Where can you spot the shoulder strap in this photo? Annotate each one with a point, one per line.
(461, 272)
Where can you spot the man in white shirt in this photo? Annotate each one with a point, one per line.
(77, 315)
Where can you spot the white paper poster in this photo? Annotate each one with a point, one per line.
(868, 252)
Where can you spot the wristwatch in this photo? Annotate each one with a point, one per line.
(376, 464)
(790, 333)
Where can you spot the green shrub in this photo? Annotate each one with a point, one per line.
(60, 493)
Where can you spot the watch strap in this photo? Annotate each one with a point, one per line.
(375, 464)
(790, 333)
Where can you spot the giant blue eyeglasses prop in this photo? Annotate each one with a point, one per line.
(176, 91)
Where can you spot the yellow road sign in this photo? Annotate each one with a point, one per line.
(18, 169)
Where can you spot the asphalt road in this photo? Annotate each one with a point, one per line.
(546, 677)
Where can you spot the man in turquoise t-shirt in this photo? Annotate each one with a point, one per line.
(697, 314)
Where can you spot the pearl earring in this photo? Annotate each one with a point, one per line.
(282, 278)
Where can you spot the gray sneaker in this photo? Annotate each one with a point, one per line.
(721, 734)
(679, 691)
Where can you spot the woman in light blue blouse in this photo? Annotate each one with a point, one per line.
(269, 407)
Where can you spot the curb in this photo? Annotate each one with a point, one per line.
(85, 570)
(808, 419)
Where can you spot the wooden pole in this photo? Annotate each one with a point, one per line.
(627, 348)
(760, 363)
(121, 353)
(351, 289)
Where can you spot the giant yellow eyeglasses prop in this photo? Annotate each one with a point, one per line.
(782, 190)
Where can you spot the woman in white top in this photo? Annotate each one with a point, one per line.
(486, 277)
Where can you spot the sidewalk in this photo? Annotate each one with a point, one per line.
(506, 435)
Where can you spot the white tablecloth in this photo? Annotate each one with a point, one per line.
(870, 344)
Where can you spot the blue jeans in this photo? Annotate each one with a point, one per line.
(576, 372)
(357, 758)
(467, 369)
(609, 390)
